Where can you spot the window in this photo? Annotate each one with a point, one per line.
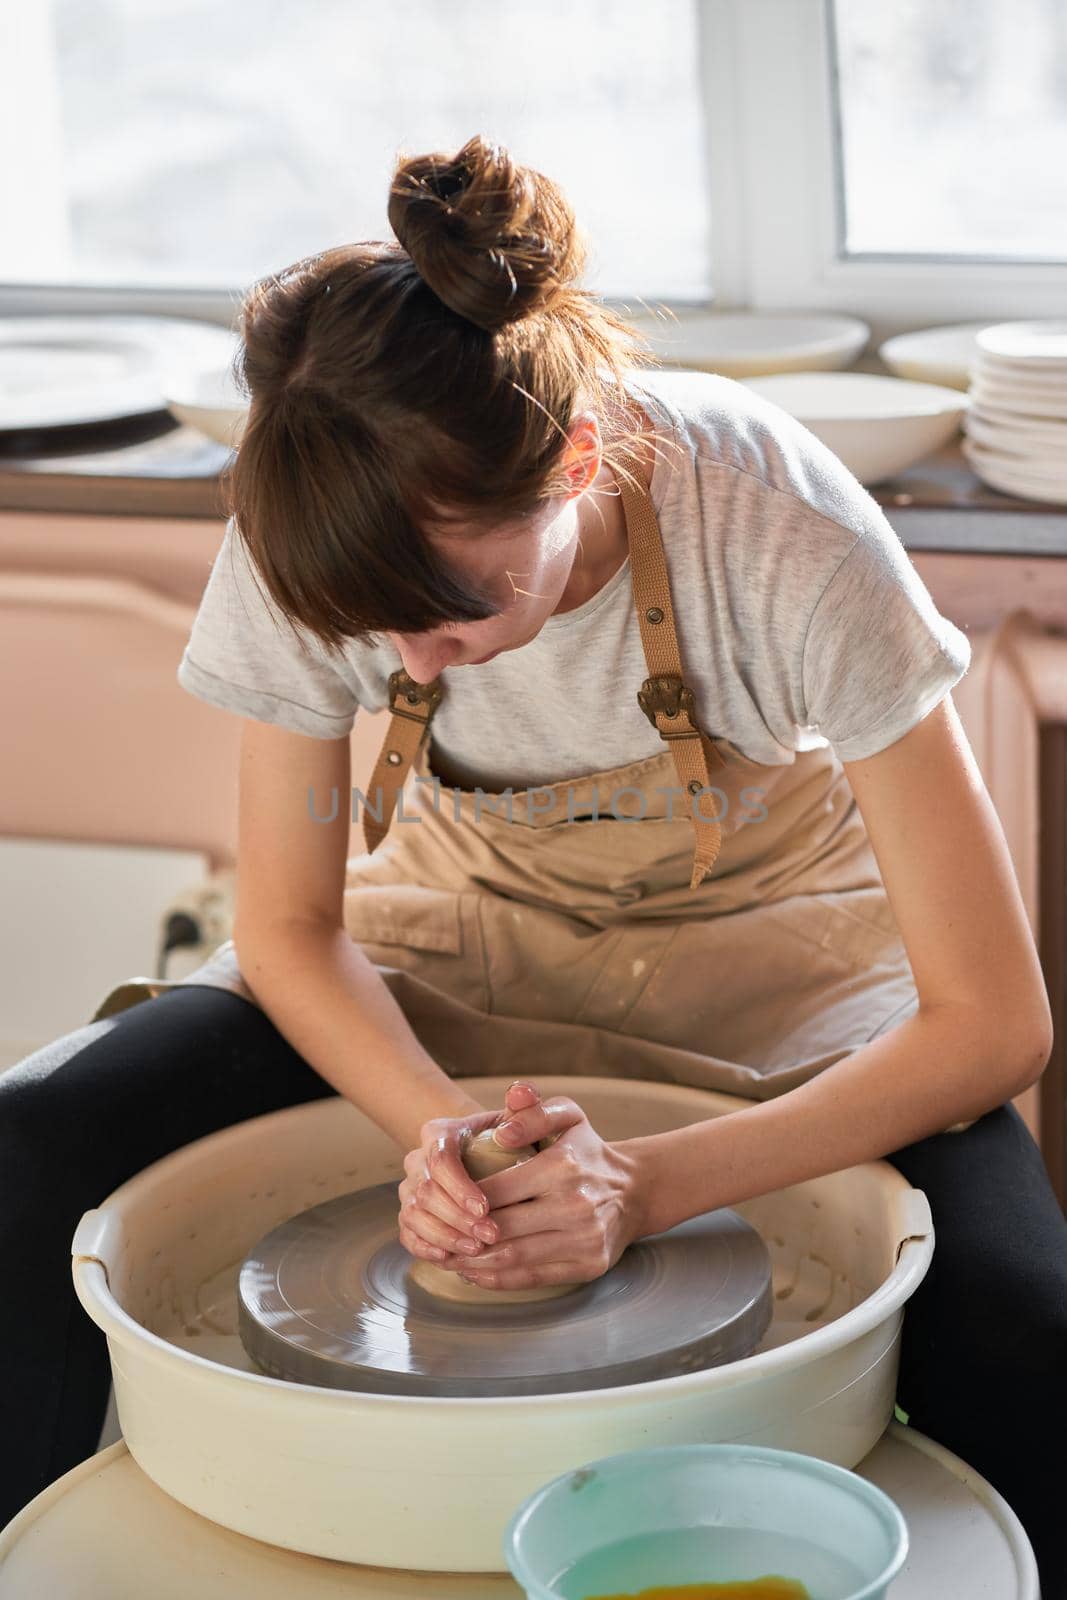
(904, 160)
(953, 128)
(860, 161)
(191, 145)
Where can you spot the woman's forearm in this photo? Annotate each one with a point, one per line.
(937, 1068)
(325, 996)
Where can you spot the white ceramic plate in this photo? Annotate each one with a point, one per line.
(1040, 380)
(877, 426)
(1045, 471)
(1042, 343)
(1037, 442)
(742, 344)
(1014, 481)
(1015, 423)
(942, 355)
(1019, 398)
(61, 372)
(209, 401)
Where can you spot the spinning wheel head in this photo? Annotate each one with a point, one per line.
(329, 1298)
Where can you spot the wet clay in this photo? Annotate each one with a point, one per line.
(482, 1156)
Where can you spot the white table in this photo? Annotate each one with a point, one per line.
(104, 1531)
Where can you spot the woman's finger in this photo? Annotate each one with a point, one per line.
(542, 1175)
(445, 1166)
(531, 1277)
(432, 1230)
(437, 1242)
(521, 1094)
(555, 1212)
(416, 1246)
(530, 1250)
(546, 1119)
(429, 1196)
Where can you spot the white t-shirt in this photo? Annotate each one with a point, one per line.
(801, 621)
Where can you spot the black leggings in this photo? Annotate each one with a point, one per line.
(984, 1353)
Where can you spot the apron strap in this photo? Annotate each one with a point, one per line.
(412, 705)
(664, 697)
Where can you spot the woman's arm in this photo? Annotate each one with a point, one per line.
(310, 977)
(983, 1030)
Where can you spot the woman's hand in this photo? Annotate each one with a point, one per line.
(442, 1208)
(566, 1215)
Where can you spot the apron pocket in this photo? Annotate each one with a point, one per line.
(427, 945)
(407, 914)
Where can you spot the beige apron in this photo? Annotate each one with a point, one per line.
(604, 925)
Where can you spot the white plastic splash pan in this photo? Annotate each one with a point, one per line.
(425, 1484)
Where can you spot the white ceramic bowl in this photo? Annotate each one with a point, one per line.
(877, 426)
(390, 1481)
(943, 355)
(209, 401)
(740, 344)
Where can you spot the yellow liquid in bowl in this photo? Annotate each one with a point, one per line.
(770, 1588)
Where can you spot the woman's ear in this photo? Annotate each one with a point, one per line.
(583, 453)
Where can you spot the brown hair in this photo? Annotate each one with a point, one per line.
(399, 386)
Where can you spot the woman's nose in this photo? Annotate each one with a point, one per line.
(423, 659)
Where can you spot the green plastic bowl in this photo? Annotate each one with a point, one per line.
(706, 1513)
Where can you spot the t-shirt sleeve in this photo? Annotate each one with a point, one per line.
(878, 655)
(242, 655)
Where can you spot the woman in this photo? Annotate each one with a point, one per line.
(465, 494)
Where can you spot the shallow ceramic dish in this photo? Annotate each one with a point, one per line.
(944, 355)
(210, 401)
(876, 425)
(336, 1473)
(65, 371)
(740, 344)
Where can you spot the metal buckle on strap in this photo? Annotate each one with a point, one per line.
(667, 693)
(428, 694)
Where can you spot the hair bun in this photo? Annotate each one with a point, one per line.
(493, 240)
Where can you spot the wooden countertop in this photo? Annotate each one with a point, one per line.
(157, 467)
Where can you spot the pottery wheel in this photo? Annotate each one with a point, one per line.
(326, 1299)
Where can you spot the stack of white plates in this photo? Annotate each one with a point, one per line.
(1017, 424)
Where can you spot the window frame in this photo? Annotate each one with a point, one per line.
(773, 128)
